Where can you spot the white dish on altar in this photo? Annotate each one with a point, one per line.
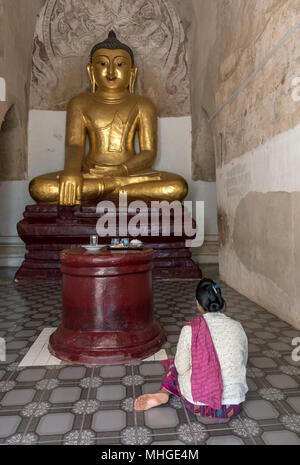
(93, 248)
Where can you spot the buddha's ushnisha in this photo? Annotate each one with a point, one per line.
(111, 115)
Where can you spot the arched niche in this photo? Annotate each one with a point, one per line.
(12, 146)
(17, 24)
(67, 30)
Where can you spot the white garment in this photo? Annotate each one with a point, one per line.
(231, 345)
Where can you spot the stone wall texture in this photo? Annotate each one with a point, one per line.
(68, 29)
(243, 87)
(17, 24)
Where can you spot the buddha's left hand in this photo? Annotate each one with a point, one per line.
(105, 170)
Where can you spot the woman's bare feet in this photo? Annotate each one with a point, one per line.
(148, 401)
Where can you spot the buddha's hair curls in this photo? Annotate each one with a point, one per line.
(209, 296)
(112, 43)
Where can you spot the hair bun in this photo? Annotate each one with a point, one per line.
(112, 34)
(209, 296)
(215, 307)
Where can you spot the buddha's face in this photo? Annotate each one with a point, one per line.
(112, 69)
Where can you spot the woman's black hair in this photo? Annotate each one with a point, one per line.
(209, 296)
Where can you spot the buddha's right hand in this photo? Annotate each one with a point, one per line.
(70, 189)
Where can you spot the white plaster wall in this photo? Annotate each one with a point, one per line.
(272, 167)
(2, 90)
(46, 134)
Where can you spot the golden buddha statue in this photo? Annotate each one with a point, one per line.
(111, 115)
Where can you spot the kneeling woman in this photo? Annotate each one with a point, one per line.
(209, 369)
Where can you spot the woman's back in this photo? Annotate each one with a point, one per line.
(231, 345)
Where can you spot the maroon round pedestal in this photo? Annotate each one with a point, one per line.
(107, 308)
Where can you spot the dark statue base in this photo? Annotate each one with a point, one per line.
(107, 314)
(48, 229)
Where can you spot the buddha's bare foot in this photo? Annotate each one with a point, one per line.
(148, 401)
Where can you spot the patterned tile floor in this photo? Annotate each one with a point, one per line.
(85, 405)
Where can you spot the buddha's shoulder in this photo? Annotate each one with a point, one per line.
(145, 103)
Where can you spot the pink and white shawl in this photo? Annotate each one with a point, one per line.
(206, 378)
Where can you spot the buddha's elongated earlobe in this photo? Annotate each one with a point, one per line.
(92, 77)
(133, 79)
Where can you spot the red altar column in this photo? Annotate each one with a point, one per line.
(107, 308)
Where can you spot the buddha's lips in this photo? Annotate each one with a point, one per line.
(111, 79)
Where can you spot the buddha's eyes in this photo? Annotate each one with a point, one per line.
(105, 63)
